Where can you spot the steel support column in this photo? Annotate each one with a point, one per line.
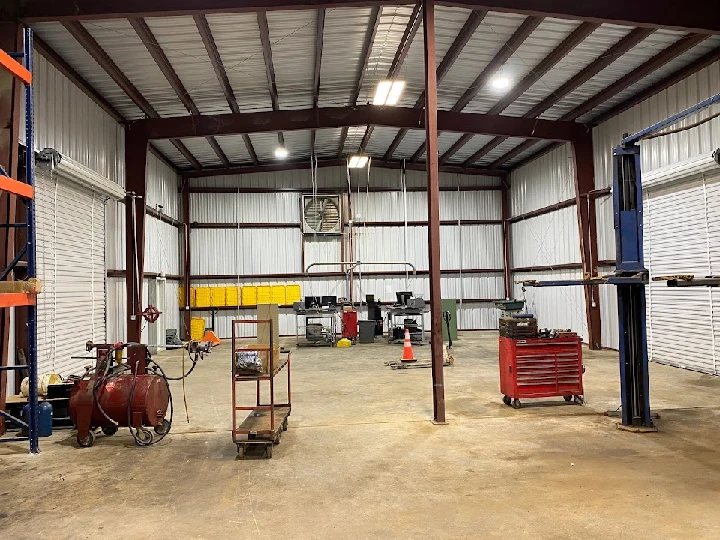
(186, 255)
(587, 227)
(136, 147)
(505, 182)
(433, 195)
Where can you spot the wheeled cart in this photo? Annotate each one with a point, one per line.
(540, 368)
(266, 421)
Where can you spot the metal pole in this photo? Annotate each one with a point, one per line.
(186, 255)
(433, 191)
(31, 271)
(506, 237)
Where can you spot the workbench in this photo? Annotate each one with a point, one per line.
(404, 312)
(328, 314)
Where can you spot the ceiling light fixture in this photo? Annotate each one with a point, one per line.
(358, 162)
(281, 152)
(501, 83)
(388, 92)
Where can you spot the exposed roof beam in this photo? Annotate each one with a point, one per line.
(361, 115)
(319, 31)
(466, 32)
(693, 16)
(656, 62)
(362, 67)
(269, 68)
(588, 72)
(400, 55)
(217, 64)
(161, 60)
(527, 27)
(94, 49)
(338, 162)
(576, 37)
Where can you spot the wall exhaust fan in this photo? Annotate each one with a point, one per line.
(321, 214)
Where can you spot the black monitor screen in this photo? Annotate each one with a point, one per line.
(329, 301)
(402, 297)
(312, 301)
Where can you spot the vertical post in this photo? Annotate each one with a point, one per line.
(433, 195)
(136, 145)
(587, 226)
(10, 100)
(186, 255)
(505, 183)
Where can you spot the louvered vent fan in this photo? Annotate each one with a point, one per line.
(321, 214)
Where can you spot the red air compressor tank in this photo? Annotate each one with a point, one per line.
(350, 324)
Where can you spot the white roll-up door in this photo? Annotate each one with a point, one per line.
(70, 221)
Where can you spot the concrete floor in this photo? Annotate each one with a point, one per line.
(362, 460)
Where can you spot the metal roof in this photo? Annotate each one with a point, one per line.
(293, 42)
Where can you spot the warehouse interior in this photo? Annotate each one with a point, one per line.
(290, 270)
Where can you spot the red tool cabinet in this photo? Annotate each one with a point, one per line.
(541, 367)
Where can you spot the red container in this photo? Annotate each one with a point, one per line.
(539, 368)
(350, 324)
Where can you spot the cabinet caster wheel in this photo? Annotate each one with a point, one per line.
(516, 404)
(109, 430)
(579, 400)
(87, 441)
(568, 398)
(268, 451)
(163, 428)
(507, 401)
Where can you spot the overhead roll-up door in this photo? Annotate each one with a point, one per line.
(70, 255)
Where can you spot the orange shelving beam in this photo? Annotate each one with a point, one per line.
(15, 67)
(17, 299)
(18, 188)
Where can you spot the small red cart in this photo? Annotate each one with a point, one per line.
(541, 367)
(266, 421)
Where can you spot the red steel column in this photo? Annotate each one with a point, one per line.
(186, 254)
(136, 147)
(505, 182)
(587, 226)
(433, 194)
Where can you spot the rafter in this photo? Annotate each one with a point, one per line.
(466, 32)
(656, 62)
(319, 31)
(217, 64)
(362, 68)
(527, 27)
(588, 72)
(403, 48)
(269, 68)
(98, 54)
(576, 37)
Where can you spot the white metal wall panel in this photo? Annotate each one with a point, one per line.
(546, 240)
(481, 246)
(115, 235)
(542, 182)
(245, 251)
(162, 187)
(70, 224)
(555, 307)
(116, 306)
(162, 247)
(245, 207)
(608, 312)
(323, 249)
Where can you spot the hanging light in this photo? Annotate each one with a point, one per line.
(281, 152)
(501, 82)
(358, 161)
(388, 92)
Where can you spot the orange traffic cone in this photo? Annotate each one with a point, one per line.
(408, 355)
(212, 338)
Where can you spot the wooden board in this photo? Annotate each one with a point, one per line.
(258, 421)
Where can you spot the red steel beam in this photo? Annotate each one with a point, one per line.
(269, 67)
(400, 55)
(217, 64)
(360, 115)
(161, 60)
(365, 58)
(93, 48)
(576, 37)
(596, 66)
(694, 15)
(319, 31)
(466, 32)
(527, 27)
(433, 190)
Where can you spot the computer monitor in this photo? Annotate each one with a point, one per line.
(312, 301)
(402, 297)
(329, 301)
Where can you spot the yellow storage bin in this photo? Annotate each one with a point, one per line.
(249, 295)
(197, 328)
(217, 296)
(264, 294)
(292, 294)
(203, 297)
(277, 294)
(232, 296)
(193, 297)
